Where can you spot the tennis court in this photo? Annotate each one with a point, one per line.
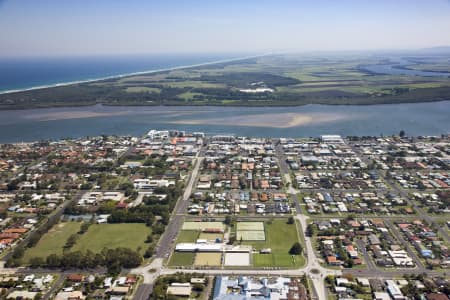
(250, 226)
(251, 235)
(203, 225)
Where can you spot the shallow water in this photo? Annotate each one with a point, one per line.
(303, 121)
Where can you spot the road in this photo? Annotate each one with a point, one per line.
(419, 210)
(399, 236)
(55, 287)
(393, 272)
(369, 261)
(404, 194)
(372, 270)
(143, 291)
(316, 272)
(176, 221)
(313, 269)
(166, 241)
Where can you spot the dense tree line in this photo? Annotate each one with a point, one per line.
(76, 210)
(113, 259)
(132, 215)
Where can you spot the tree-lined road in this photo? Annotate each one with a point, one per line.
(166, 241)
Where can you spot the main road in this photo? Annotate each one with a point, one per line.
(313, 269)
(154, 269)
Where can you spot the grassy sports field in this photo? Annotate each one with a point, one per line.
(280, 237)
(101, 236)
(53, 241)
(98, 236)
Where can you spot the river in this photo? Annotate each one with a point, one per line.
(400, 66)
(431, 118)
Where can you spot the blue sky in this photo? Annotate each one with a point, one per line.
(93, 27)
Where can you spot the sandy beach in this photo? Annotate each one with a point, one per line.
(129, 74)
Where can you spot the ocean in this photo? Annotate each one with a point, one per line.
(26, 72)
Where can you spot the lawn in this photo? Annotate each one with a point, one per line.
(53, 241)
(182, 259)
(187, 236)
(280, 237)
(279, 260)
(101, 236)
